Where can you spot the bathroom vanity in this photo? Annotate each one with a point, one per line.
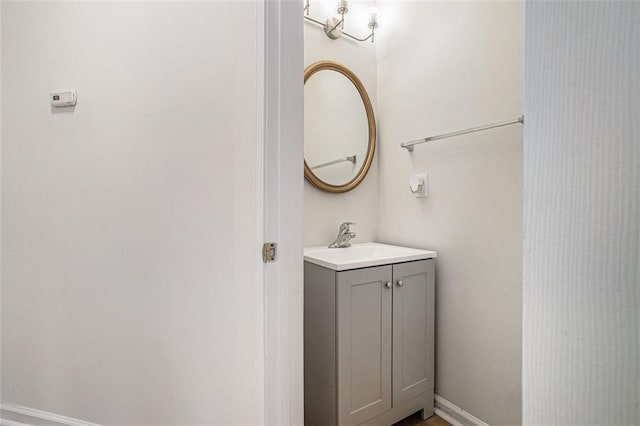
(368, 334)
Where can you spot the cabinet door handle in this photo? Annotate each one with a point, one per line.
(400, 283)
(389, 285)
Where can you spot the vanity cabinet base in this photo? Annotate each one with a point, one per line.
(368, 343)
(424, 403)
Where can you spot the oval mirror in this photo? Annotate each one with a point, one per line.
(339, 128)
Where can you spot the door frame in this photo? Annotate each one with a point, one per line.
(280, 172)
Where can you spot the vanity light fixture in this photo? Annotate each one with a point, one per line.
(334, 27)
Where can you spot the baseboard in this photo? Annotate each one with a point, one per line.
(5, 422)
(17, 415)
(454, 414)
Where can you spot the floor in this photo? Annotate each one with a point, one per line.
(416, 420)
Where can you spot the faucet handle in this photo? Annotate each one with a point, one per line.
(345, 225)
(344, 235)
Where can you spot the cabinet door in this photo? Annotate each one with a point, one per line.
(413, 329)
(364, 343)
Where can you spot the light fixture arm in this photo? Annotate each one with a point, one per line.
(370, 36)
(340, 24)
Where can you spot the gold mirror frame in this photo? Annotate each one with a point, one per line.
(308, 174)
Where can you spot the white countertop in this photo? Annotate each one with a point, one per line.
(363, 255)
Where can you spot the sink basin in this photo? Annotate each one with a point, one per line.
(363, 255)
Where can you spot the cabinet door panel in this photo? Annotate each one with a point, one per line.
(364, 344)
(413, 329)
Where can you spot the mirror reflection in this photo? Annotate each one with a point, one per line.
(339, 130)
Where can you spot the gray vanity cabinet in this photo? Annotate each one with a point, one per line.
(413, 330)
(364, 343)
(369, 343)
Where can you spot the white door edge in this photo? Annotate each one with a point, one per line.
(282, 205)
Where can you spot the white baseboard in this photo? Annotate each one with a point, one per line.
(17, 415)
(5, 422)
(454, 414)
(25, 416)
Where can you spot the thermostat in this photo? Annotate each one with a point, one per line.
(63, 98)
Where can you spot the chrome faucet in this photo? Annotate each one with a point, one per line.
(344, 236)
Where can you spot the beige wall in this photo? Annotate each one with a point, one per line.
(444, 66)
(582, 214)
(323, 212)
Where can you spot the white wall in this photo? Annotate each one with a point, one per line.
(582, 214)
(324, 212)
(127, 222)
(445, 66)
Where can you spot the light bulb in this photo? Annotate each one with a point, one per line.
(373, 19)
(342, 7)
